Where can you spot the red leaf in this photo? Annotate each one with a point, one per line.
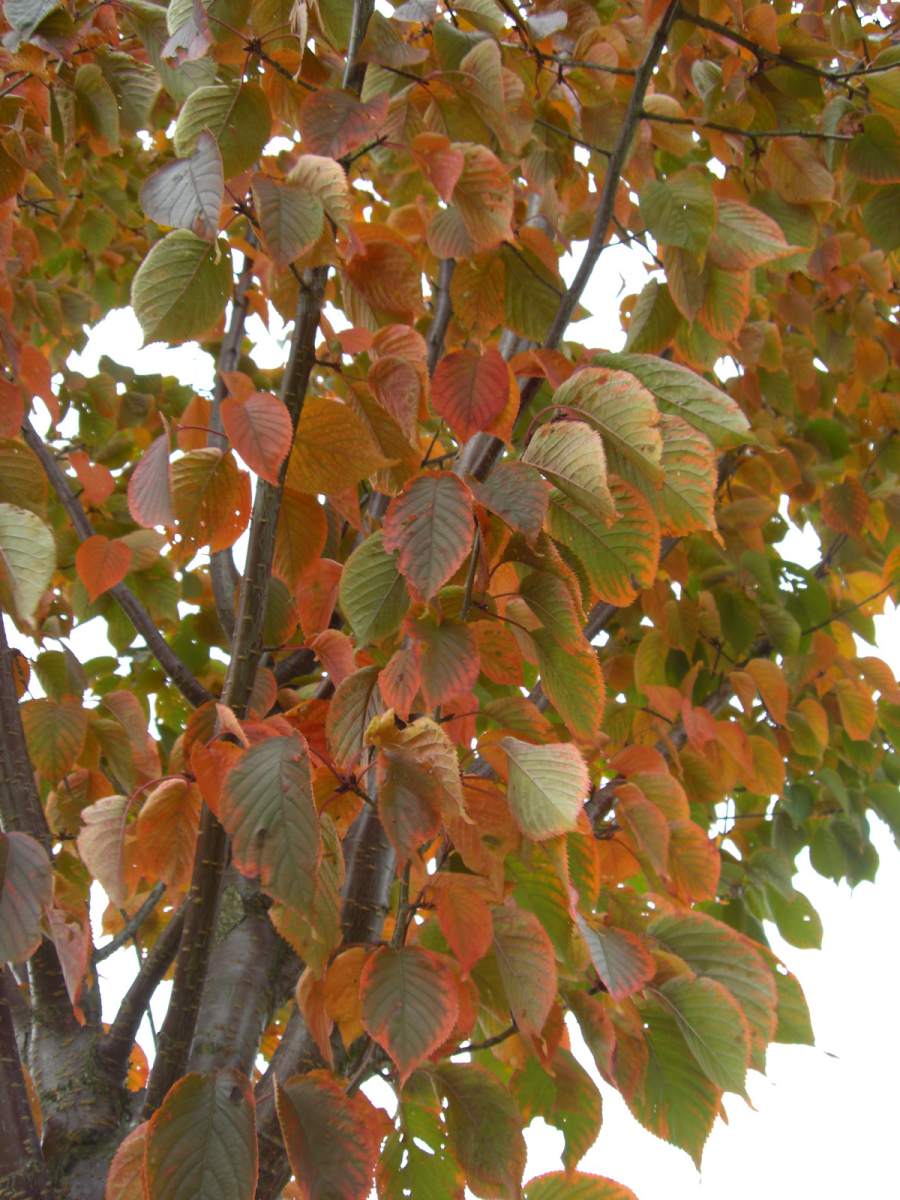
(334, 650)
(620, 958)
(430, 525)
(464, 917)
(471, 390)
(410, 1003)
(101, 564)
(441, 161)
(150, 486)
(260, 430)
(331, 1138)
(527, 966)
(335, 123)
(12, 408)
(400, 681)
(316, 595)
(34, 372)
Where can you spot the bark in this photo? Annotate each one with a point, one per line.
(23, 1173)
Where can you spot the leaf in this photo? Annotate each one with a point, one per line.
(551, 601)
(690, 478)
(464, 917)
(187, 193)
(96, 107)
(238, 118)
(201, 1142)
(181, 288)
(713, 950)
(430, 525)
(621, 559)
(125, 1178)
(27, 560)
(485, 1128)
(572, 680)
(410, 1003)
(516, 493)
(300, 536)
(102, 846)
(688, 395)
(676, 1101)
(547, 788)
(22, 478)
(166, 832)
(744, 237)
(150, 486)
(575, 1186)
(620, 958)
(101, 564)
(566, 1097)
(447, 660)
(211, 498)
(620, 408)
(261, 431)
(335, 123)
(797, 172)
(23, 17)
(772, 685)
(291, 218)
(570, 454)
(471, 391)
(527, 966)
(355, 703)
(714, 1028)
(267, 809)
(327, 181)
(333, 449)
(55, 732)
(331, 1138)
(372, 593)
(26, 889)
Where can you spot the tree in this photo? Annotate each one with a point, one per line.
(514, 708)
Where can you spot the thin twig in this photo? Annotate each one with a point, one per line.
(132, 925)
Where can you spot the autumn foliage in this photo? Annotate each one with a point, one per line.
(455, 688)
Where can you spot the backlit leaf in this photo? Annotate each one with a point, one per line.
(150, 486)
(238, 118)
(547, 786)
(27, 560)
(471, 391)
(291, 218)
(211, 498)
(713, 1027)
(620, 408)
(101, 564)
(181, 287)
(570, 454)
(260, 430)
(485, 1128)
(55, 732)
(576, 1186)
(333, 449)
(621, 959)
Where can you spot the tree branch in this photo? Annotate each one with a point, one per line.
(132, 925)
(700, 123)
(441, 313)
(23, 1172)
(184, 680)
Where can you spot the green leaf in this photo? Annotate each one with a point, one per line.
(547, 786)
(683, 392)
(691, 477)
(713, 950)
(682, 211)
(181, 288)
(794, 1026)
(620, 559)
(620, 958)
(267, 809)
(187, 193)
(620, 408)
(355, 702)
(527, 966)
(24, 16)
(566, 1097)
(55, 732)
(372, 593)
(291, 218)
(881, 217)
(516, 493)
(26, 889)
(430, 525)
(675, 1101)
(96, 105)
(551, 601)
(576, 1186)
(570, 454)
(572, 680)
(201, 1142)
(329, 1136)
(485, 1129)
(27, 560)
(410, 1003)
(714, 1028)
(237, 116)
(654, 320)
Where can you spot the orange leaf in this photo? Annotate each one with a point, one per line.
(150, 486)
(97, 481)
(335, 123)
(260, 430)
(464, 917)
(34, 372)
(101, 564)
(772, 685)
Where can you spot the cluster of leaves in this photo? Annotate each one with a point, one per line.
(515, 710)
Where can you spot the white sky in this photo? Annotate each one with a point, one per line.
(823, 1121)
